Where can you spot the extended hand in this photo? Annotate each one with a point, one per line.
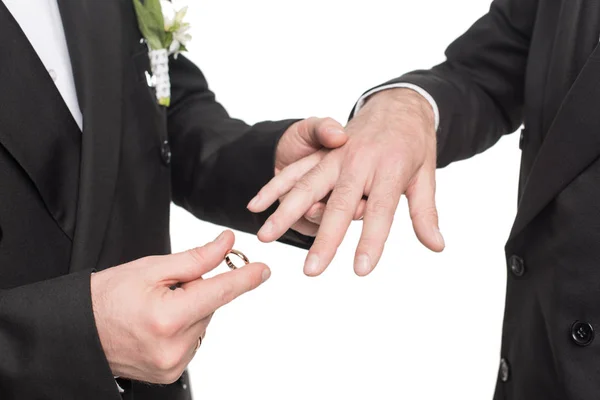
(391, 151)
(150, 332)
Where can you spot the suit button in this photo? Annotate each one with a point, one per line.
(582, 333)
(504, 370)
(183, 381)
(517, 266)
(165, 152)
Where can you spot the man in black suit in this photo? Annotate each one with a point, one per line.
(89, 164)
(531, 62)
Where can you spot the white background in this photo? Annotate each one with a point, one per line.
(422, 326)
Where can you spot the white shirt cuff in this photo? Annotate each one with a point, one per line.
(119, 386)
(420, 90)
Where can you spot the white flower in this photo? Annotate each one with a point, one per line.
(181, 37)
(162, 44)
(169, 12)
(174, 23)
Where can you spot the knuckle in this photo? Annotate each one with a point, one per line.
(338, 204)
(171, 376)
(382, 206)
(303, 185)
(412, 148)
(396, 170)
(383, 202)
(166, 363)
(226, 293)
(316, 171)
(391, 172)
(163, 325)
(275, 188)
(345, 187)
(429, 212)
(197, 255)
(252, 282)
(419, 144)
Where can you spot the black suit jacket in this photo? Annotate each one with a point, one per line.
(537, 62)
(71, 202)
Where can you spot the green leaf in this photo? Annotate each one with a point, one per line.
(168, 39)
(155, 10)
(151, 23)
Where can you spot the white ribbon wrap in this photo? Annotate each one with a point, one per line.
(159, 62)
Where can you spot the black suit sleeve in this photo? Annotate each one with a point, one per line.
(219, 163)
(49, 345)
(479, 89)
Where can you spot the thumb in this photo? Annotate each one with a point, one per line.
(190, 265)
(306, 137)
(324, 132)
(423, 211)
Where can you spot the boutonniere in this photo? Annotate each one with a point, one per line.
(166, 34)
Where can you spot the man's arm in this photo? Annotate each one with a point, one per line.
(219, 163)
(66, 337)
(479, 89)
(49, 344)
(393, 148)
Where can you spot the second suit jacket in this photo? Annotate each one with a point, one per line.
(537, 63)
(73, 201)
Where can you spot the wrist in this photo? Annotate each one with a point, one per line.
(97, 283)
(402, 101)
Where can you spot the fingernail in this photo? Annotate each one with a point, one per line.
(439, 238)
(220, 237)
(336, 131)
(311, 266)
(253, 202)
(267, 228)
(266, 274)
(362, 265)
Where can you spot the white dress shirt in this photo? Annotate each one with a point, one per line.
(40, 21)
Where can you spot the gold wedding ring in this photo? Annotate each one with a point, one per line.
(241, 255)
(198, 344)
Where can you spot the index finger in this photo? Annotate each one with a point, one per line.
(208, 295)
(313, 186)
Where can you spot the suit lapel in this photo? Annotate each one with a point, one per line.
(571, 145)
(94, 38)
(36, 127)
